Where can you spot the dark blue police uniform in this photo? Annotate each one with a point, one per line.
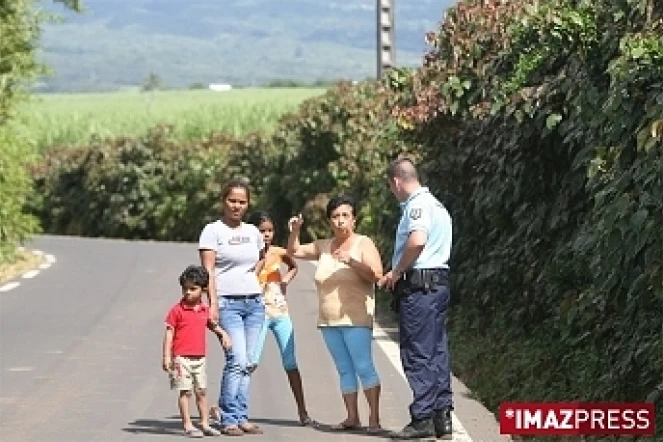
(423, 293)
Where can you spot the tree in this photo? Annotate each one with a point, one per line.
(152, 82)
(20, 29)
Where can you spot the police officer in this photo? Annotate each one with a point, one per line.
(419, 281)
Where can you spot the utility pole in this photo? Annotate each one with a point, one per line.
(385, 36)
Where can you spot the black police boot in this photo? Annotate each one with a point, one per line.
(417, 429)
(442, 422)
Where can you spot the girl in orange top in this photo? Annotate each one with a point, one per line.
(277, 318)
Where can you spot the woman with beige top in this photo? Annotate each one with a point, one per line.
(349, 265)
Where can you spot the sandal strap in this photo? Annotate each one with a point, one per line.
(232, 431)
(251, 429)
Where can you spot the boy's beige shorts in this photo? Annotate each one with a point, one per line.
(188, 373)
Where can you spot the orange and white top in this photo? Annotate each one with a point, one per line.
(270, 281)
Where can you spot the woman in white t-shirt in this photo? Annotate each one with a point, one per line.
(229, 250)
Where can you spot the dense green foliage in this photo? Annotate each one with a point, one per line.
(538, 123)
(19, 31)
(149, 187)
(545, 138)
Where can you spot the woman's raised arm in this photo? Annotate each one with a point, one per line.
(308, 251)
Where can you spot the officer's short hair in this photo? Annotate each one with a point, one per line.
(338, 201)
(404, 169)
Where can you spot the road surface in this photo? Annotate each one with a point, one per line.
(80, 354)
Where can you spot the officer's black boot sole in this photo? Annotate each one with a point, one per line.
(419, 439)
(423, 430)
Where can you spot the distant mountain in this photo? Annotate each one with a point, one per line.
(117, 43)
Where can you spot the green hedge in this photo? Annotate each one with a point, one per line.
(546, 139)
(540, 125)
(146, 188)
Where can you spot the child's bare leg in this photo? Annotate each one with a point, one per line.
(183, 403)
(295, 380)
(201, 403)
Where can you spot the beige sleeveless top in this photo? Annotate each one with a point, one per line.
(344, 297)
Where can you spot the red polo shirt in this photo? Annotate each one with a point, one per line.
(189, 323)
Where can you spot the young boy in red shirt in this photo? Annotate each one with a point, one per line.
(184, 347)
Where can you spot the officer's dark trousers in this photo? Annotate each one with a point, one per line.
(424, 351)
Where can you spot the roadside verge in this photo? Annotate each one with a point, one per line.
(29, 264)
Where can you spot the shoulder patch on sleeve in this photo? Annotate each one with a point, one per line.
(415, 213)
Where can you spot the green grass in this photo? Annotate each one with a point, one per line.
(72, 119)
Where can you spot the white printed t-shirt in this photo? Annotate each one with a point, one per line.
(237, 253)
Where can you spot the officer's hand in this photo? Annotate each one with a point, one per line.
(295, 223)
(389, 280)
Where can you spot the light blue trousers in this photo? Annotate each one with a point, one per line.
(352, 352)
(284, 333)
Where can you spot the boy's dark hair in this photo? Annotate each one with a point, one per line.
(259, 217)
(338, 201)
(198, 275)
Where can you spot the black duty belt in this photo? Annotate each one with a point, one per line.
(426, 277)
(421, 281)
(425, 280)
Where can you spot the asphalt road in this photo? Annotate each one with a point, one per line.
(80, 351)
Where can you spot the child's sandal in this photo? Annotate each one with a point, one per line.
(209, 431)
(194, 432)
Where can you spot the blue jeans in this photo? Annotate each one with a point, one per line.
(242, 319)
(285, 339)
(352, 352)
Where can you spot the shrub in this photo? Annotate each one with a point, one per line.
(135, 188)
(338, 143)
(15, 224)
(542, 125)
(19, 27)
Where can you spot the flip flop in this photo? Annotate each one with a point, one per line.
(251, 429)
(209, 431)
(375, 430)
(194, 432)
(232, 431)
(308, 422)
(345, 427)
